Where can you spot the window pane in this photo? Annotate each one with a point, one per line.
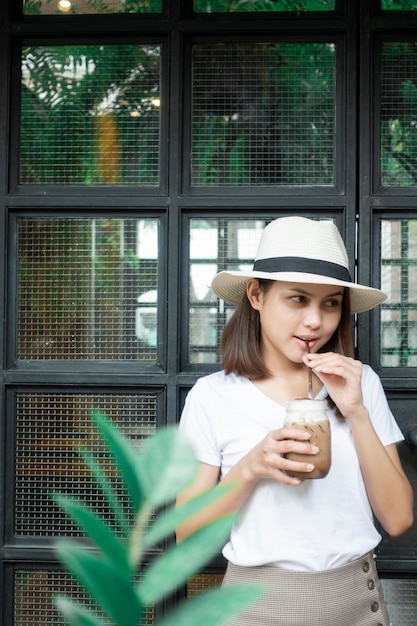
(399, 5)
(399, 281)
(98, 7)
(215, 245)
(260, 6)
(90, 115)
(263, 114)
(50, 430)
(398, 115)
(87, 289)
(34, 593)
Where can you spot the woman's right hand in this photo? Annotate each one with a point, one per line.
(267, 458)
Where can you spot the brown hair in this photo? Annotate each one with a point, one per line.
(241, 345)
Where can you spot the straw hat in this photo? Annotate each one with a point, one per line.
(299, 250)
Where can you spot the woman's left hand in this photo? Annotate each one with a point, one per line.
(341, 376)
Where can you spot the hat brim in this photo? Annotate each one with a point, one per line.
(231, 287)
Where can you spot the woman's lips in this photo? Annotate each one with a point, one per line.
(307, 343)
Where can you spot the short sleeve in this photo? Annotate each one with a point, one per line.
(197, 424)
(376, 402)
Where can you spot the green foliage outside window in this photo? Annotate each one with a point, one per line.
(398, 5)
(399, 114)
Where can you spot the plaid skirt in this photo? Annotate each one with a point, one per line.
(350, 595)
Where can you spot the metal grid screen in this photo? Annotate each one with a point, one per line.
(87, 289)
(398, 114)
(263, 114)
(50, 430)
(90, 115)
(399, 281)
(34, 592)
(401, 599)
(202, 582)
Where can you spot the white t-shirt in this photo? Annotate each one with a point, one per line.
(317, 525)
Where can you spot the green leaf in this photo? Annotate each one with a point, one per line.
(125, 457)
(112, 591)
(167, 465)
(179, 562)
(76, 615)
(168, 522)
(96, 530)
(107, 489)
(214, 607)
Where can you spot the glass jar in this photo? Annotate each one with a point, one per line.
(311, 415)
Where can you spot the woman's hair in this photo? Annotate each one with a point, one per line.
(241, 340)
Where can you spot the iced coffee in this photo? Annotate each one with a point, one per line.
(311, 415)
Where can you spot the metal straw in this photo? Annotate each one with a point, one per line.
(310, 374)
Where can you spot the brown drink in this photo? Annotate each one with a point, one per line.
(311, 415)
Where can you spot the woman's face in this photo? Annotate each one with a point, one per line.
(291, 313)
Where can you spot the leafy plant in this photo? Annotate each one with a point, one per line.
(112, 570)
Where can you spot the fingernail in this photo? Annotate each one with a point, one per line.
(310, 467)
(315, 449)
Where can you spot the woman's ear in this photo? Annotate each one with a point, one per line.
(254, 293)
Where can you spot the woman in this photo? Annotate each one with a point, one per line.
(310, 541)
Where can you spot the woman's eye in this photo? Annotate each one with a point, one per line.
(332, 303)
(298, 299)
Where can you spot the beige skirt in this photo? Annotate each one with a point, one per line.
(350, 595)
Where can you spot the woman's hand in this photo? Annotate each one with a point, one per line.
(341, 376)
(267, 459)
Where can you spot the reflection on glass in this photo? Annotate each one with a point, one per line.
(263, 114)
(232, 244)
(399, 281)
(87, 289)
(90, 115)
(96, 7)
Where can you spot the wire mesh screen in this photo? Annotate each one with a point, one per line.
(202, 582)
(399, 114)
(90, 115)
(87, 289)
(399, 281)
(263, 114)
(215, 245)
(401, 599)
(260, 6)
(34, 592)
(79, 7)
(50, 430)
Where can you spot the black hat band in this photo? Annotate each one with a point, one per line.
(301, 264)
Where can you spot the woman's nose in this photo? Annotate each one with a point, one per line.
(312, 318)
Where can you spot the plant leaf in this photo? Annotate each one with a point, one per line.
(112, 591)
(106, 488)
(166, 523)
(179, 562)
(125, 457)
(167, 465)
(214, 607)
(96, 530)
(76, 615)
